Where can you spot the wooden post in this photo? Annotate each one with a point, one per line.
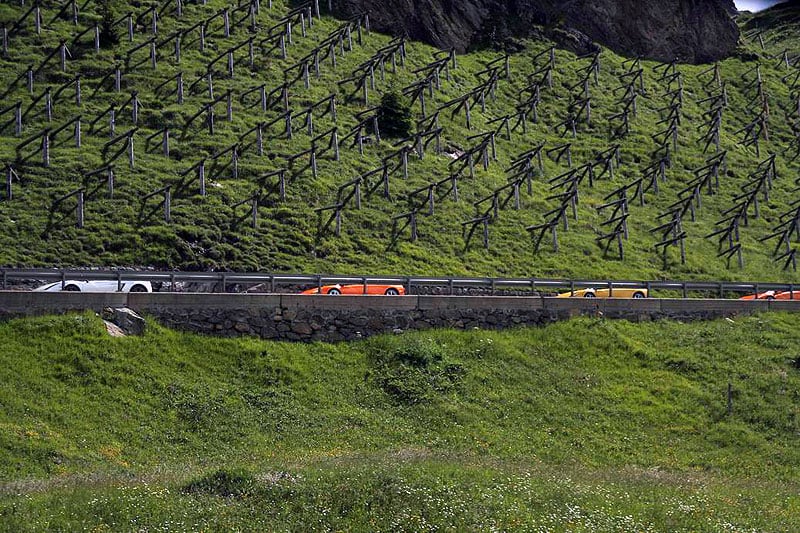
(179, 88)
(202, 38)
(165, 142)
(78, 133)
(131, 157)
(167, 204)
(178, 47)
(79, 210)
(110, 181)
(117, 80)
(9, 179)
(226, 23)
(201, 176)
(135, 107)
(46, 148)
(235, 162)
(18, 119)
(130, 27)
(62, 50)
(48, 105)
(335, 142)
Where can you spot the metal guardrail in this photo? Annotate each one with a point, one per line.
(222, 280)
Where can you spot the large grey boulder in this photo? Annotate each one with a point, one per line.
(127, 320)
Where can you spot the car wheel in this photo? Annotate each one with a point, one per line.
(392, 292)
(590, 295)
(638, 295)
(334, 292)
(138, 288)
(770, 298)
(72, 288)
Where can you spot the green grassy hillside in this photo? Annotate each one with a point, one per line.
(207, 232)
(624, 427)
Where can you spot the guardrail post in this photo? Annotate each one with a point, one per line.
(721, 289)
(450, 285)
(572, 288)
(5, 276)
(685, 292)
(224, 288)
(119, 281)
(172, 283)
(610, 290)
(364, 285)
(272, 284)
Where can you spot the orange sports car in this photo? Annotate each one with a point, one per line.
(773, 295)
(605, 293)
(358, 290)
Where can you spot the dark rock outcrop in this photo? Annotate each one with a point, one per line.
(694, 31)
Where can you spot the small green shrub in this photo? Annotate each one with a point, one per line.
(414, 370)
(232, 484)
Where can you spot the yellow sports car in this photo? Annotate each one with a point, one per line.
(604, 293)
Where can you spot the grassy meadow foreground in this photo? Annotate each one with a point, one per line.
(588, 425)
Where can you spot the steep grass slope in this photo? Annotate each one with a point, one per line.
(208, 232)
(625, 427)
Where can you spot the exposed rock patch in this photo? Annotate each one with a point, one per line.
(693, 31)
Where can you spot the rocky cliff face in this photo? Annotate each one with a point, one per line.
(694, 31)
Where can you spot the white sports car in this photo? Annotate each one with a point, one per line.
(73, 285)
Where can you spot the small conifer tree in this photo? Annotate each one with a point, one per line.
(108, 33)
(394, 116)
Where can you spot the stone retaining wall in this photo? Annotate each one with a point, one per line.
(329, 318)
